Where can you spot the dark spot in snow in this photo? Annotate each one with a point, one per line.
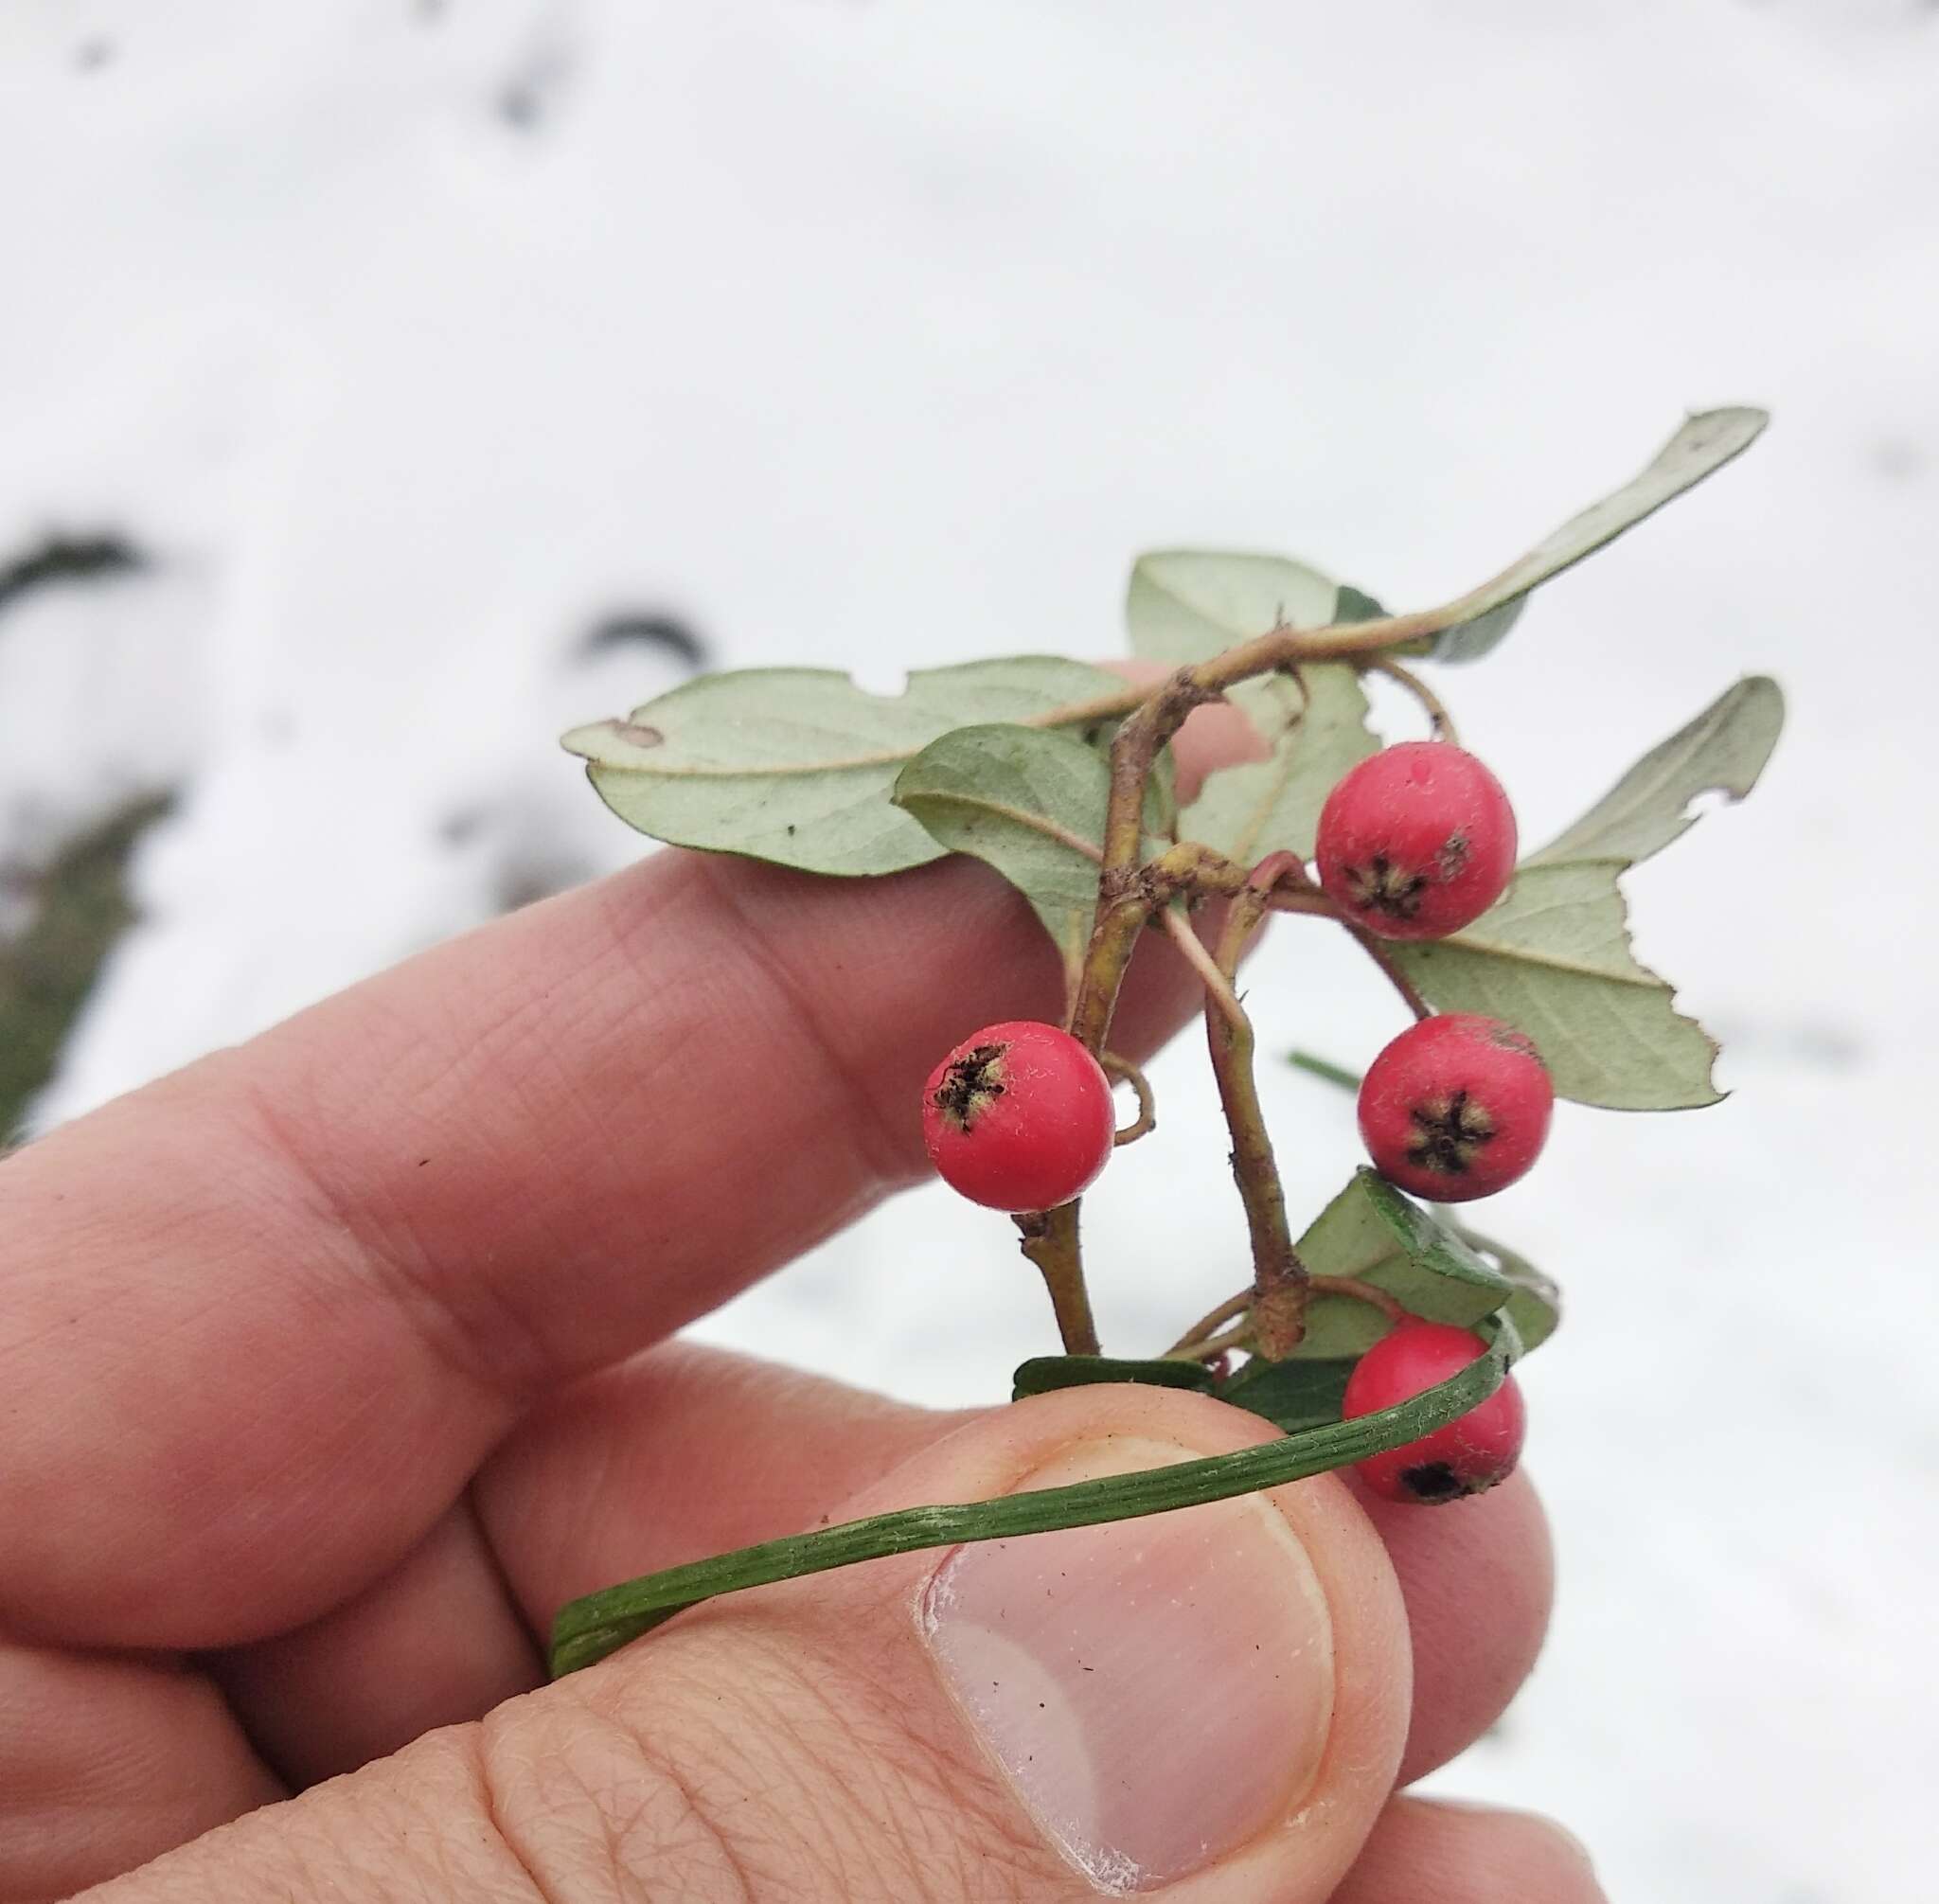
(64, 558)
(461, 827)
(630, 627)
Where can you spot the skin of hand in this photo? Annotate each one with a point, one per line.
(332, 1364)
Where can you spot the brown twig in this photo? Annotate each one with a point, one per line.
(1360, 1292)
(1277, 1317)
(1147, 1121)
(1376, 949)
(1432, 703)
(1211, 1320)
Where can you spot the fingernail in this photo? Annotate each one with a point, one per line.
(1157, 1691)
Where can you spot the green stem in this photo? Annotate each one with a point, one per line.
(589, 1628)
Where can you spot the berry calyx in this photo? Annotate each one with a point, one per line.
(1416, 841)
(1019, 1117)
(1464, 1458)
(1456, 1107)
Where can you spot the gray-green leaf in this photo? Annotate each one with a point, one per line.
(1553, 959)
(794, 764)
(1185, 605)
(1705, 443)
(1190, 604)
(1553, 956)
(1031, 804)
(1723, 749)
(1263, 806)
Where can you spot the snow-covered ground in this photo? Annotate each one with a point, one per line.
(409, 340)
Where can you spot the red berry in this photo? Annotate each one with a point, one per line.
(1456, 1107)
(1467, 1455)
(1019, 1116)
(1417, 841)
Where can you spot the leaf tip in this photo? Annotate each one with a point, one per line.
(600, 742)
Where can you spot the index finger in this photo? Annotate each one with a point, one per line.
(259, 1322)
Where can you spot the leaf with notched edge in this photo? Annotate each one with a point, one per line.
(1723, 749)
(1552, 958)
(793, 765)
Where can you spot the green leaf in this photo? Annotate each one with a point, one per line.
(1723, 749)
(587, 1630)
(793, 765)
(1041, 1374)
(1190, 604)
(1471, 639)
(1535, 1307)
(1263, 806)
(1029, 803)
(1304, 1392)
(1354, 606)
(1705, 443)
(1553, 959)
(1374, 1233)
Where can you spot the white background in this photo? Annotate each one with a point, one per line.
(410, 338)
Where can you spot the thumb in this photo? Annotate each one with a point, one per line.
(1210, 1703)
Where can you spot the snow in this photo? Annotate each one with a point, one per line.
(408, 340)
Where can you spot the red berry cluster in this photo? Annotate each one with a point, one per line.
(1414, 842)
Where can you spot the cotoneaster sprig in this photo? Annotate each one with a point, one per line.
(1382, 1333)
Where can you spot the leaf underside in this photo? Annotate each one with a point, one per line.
(1723, 749)
(1188, 605)
(1265, 806)
(793, 765)
(1552, 958)
(1702, 446)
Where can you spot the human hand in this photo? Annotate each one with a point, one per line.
(329, 1373)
